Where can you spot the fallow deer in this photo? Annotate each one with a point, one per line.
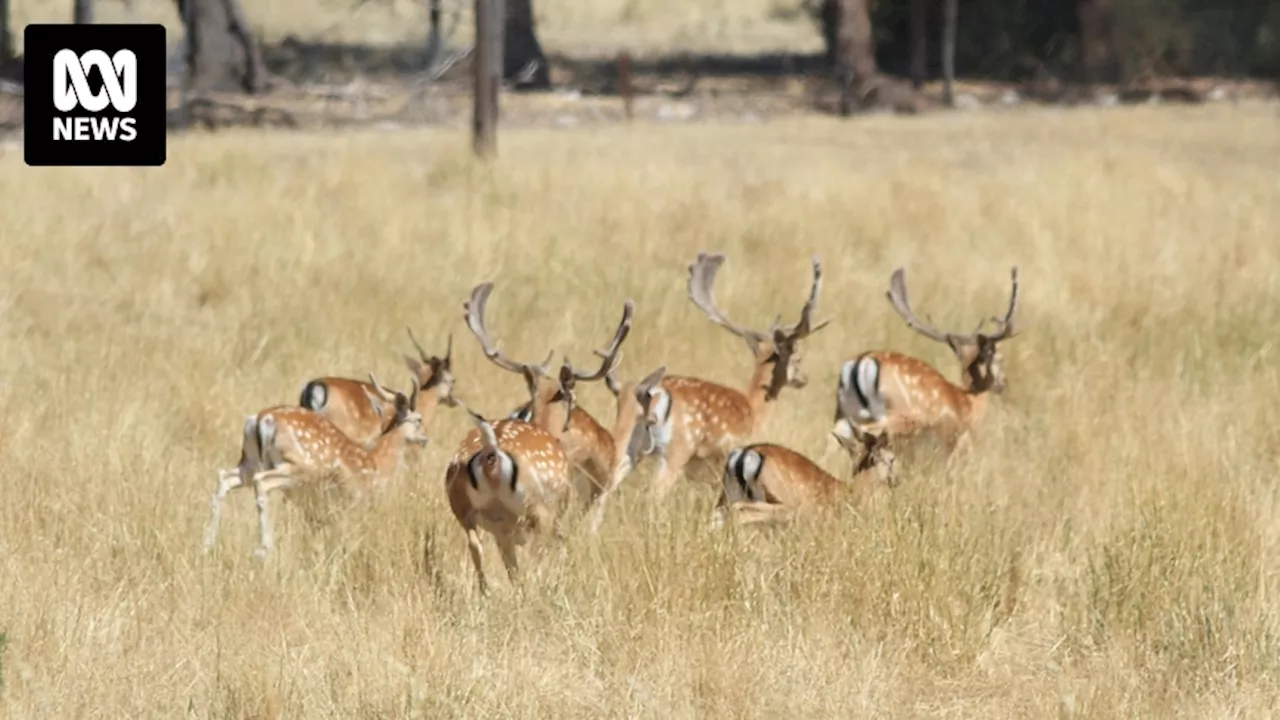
(511, 479)
(360, 411)
(630, 439)
(553, 403)
(886, 392)
(689, 418)
(767, 482)
(286, 447)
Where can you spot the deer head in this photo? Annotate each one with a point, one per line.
(778, 347)
(871, 452)
(407, 419)
(978, 352)
(433, 373)
(641, 406)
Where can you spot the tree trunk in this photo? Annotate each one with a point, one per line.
(83, 13)
(522, 59)
(435, 40)
(855, 54)
(222, 54)
(487, 65)
(950, 18)
(829, 17)
(919, 43)
(1097, 23)
(6, 39)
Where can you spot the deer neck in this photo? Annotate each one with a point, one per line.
(622, 434)
(426, 404)
(762, 391)
(550, 416)
(388, 452)
(976, 407)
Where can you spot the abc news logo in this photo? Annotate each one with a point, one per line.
(94, 95)
(71, 91)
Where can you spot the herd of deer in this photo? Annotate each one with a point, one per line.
(517, 477)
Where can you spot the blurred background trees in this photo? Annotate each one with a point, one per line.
(1013, 40)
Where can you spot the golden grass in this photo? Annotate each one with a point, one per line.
(598, 27)
(1109, 551)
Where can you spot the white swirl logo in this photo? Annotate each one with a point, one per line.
(119, 80)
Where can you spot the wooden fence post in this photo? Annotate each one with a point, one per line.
(624, 82)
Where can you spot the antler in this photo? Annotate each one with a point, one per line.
(805, 326)
(385, 394)
(414, 387)
(1007, 327)
(610, 355)
(898, 296)
(475, 308)
(702, 277)
(569, 377)
(425, 357)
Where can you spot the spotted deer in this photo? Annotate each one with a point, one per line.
(688, 418)
(553, 402)
(511, 479)
(768, 483)
(887, 392)
(363, 414)
(630, 439)
(286, 448)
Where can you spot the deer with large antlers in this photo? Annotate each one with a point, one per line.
(553, 403)
(285, 448)
(886, 392)
(363, 412)
(511, 479)
(767, 482)
(687, 418)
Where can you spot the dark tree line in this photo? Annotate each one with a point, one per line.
(1077, 40)
(1085, 40)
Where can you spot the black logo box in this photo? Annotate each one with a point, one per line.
(41, 43)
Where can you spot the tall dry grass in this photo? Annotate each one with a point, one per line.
(1110, 550)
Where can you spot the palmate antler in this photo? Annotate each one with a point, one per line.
(610, 356)
(897, 295)
(568, 376)
(475, 310)
(702, 277)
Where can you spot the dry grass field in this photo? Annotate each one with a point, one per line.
(1110, 549)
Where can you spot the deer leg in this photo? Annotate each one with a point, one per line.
(752, 513)
(507, 548)
(477, 557)
(228, 480)
(597, 505)
(720, 513)
(958, 448)
(669, 469)
(263, 483)
(549, 533)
